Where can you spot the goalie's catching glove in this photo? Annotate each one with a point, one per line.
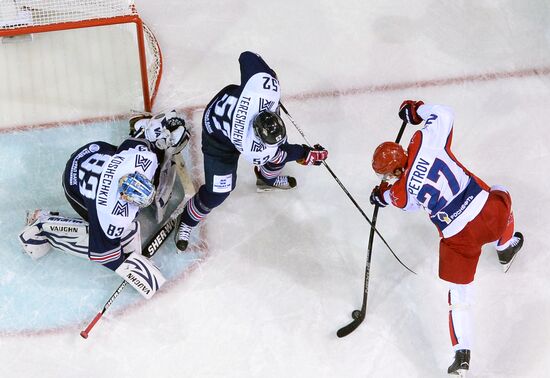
(164, 130)
(313, 155)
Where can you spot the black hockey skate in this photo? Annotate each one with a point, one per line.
(182, 235)
(461, 363)
(507, 256)
(281, 182)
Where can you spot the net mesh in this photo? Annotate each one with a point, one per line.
(21, 13)
(154, 61)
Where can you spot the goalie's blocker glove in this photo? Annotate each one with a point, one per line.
(313, 155)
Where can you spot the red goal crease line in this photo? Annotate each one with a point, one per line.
(491, 76)
(473, 78)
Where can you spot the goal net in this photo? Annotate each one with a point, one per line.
(69, 60)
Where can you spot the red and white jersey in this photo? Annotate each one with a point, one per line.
(435, 180)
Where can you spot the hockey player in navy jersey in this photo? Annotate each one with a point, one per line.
(244, 120)
(107, 185)
(466, 211)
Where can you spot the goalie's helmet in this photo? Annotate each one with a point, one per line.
(269, 127)
(389, 160)
(137, 189)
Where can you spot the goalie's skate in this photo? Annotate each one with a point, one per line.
(506, 256)
(33, 215)
(281, 183)
(461, 363)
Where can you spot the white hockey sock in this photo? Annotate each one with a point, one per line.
(460, 324)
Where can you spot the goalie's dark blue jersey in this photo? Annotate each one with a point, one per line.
(91, 180)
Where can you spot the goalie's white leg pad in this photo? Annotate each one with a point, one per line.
(33, 239)
(142, 274)
(67, 234)
(34, 243)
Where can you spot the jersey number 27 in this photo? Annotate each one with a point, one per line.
(437, 201)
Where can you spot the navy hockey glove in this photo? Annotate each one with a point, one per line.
(377, 194)
(408, 112)
(314, 155)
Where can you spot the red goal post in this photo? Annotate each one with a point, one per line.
(27, 17)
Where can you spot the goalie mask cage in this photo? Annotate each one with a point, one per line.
(68, 60)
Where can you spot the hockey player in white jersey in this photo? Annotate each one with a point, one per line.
(107, 185)
(244, 120)
(466, 211)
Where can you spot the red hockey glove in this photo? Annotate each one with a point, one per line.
(314, 155)
(377, 195)
(408, 111)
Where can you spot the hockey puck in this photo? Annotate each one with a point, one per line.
(356, 314)
(84, 334)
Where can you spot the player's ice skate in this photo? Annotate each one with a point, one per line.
(507, 255)
(281, 183)
(182, 236)
(461, 363)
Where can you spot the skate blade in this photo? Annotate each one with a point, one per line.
(265, 189)
(271, 189)
(506, 267)
(462, 373)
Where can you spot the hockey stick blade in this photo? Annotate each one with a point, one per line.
(161, 235)
(359, 315)
(346, 330)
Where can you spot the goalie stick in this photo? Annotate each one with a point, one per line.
(359, 315)
(154, 243)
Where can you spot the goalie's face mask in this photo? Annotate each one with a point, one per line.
(137, 189)
(269, 127)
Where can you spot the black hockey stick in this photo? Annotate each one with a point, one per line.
(359, 315)
(372, 224)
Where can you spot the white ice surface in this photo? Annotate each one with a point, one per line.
(283, 271)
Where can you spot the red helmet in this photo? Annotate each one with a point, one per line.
(389, 160)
